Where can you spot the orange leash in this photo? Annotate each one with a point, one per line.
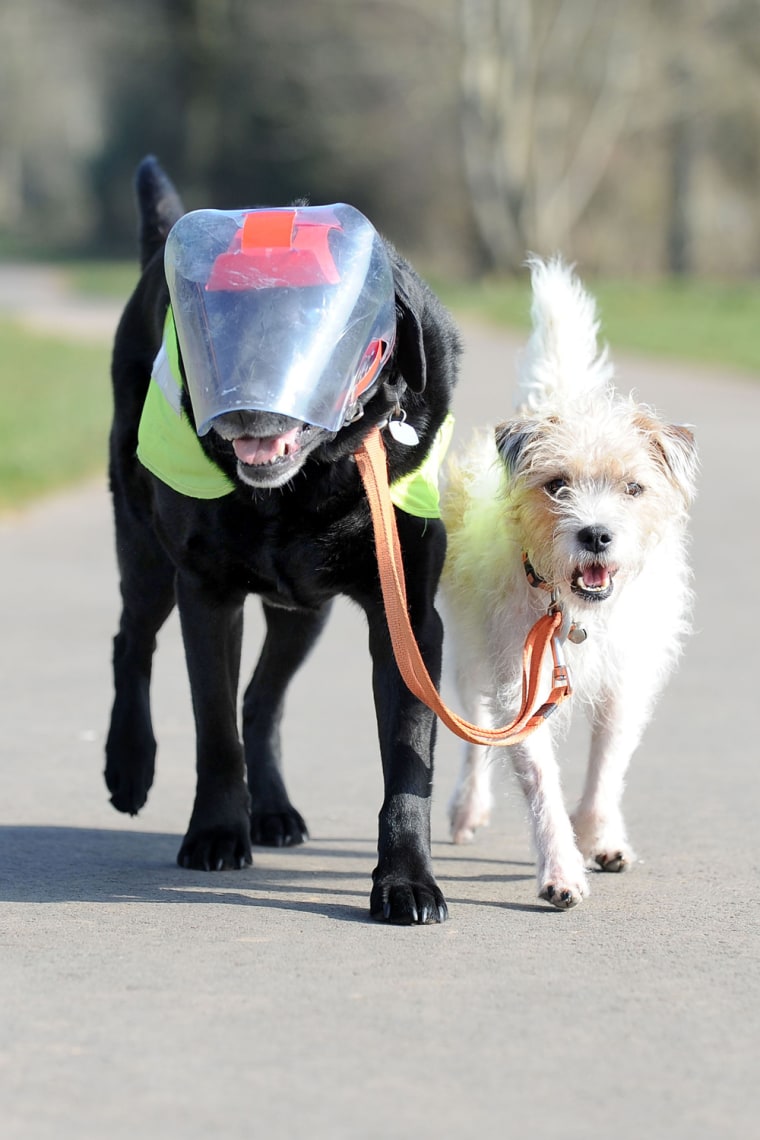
(373, 467)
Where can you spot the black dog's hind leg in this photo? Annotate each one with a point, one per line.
(212, 627)
(290, 636)
(404, 887)
(147, 590)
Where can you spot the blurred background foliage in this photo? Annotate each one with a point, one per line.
(622, 132)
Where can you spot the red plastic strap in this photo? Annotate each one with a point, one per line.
(373, 358)
(267, 229)
(277, 248)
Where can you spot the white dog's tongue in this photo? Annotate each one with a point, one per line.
(254, 451)
(595, 576)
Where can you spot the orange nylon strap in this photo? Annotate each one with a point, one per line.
(373, 468)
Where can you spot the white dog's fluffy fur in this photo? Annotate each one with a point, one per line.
(594, 489)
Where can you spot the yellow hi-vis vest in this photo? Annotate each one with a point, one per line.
(168, 446)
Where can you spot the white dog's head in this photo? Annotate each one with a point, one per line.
(594, 480)
(592, 492)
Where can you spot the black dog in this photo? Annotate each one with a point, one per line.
(297, 548)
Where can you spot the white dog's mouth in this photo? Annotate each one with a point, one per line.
(593, 582)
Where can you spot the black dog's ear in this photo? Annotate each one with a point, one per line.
(410, 342)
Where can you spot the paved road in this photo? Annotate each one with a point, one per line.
(139, 999)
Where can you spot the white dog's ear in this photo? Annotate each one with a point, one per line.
(513, 440)
(675, 448)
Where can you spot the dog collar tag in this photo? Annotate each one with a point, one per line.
(403, 433)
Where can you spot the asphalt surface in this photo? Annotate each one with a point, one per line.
(140, 999)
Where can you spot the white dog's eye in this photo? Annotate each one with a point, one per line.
(555, 486)
(634, 490)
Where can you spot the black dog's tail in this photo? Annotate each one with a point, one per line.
(159, 204)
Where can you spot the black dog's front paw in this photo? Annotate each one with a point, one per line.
(218, 836)
(215, 849)
(278, 828)
(406, 902)
(129, 780)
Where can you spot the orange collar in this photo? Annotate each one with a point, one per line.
(532, 575)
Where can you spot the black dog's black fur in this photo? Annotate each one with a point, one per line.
(297, 547)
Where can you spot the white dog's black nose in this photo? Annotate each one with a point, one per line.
(595, 538)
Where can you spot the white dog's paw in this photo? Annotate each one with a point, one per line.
(470, 808)
(564, 893)
(466, 822)
(563, 884)
(617, 857)
(603, 842)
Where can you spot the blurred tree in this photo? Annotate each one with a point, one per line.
(625, 134)
(547, 90)
(49, 123)
(254, 102)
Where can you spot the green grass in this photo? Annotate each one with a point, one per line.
(707, 322)
(112, 279)
(55, 407)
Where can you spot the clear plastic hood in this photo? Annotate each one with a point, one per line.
(288, 310)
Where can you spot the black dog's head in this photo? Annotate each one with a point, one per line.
(270, 449)
(265, 450)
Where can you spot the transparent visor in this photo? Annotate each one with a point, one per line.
(289, 310)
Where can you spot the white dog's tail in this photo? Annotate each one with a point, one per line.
(562, 358)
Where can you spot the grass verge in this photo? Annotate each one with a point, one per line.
(708, 322)
(112, 279)
(55, 407)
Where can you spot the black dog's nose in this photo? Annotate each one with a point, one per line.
(594, 538)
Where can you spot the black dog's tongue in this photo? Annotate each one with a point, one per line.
(254, 451)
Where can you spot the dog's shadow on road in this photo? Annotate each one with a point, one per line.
(48, 864)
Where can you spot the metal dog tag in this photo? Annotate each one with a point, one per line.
(576, 634)
(404, 433)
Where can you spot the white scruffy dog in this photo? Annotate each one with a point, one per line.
(583, 497)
